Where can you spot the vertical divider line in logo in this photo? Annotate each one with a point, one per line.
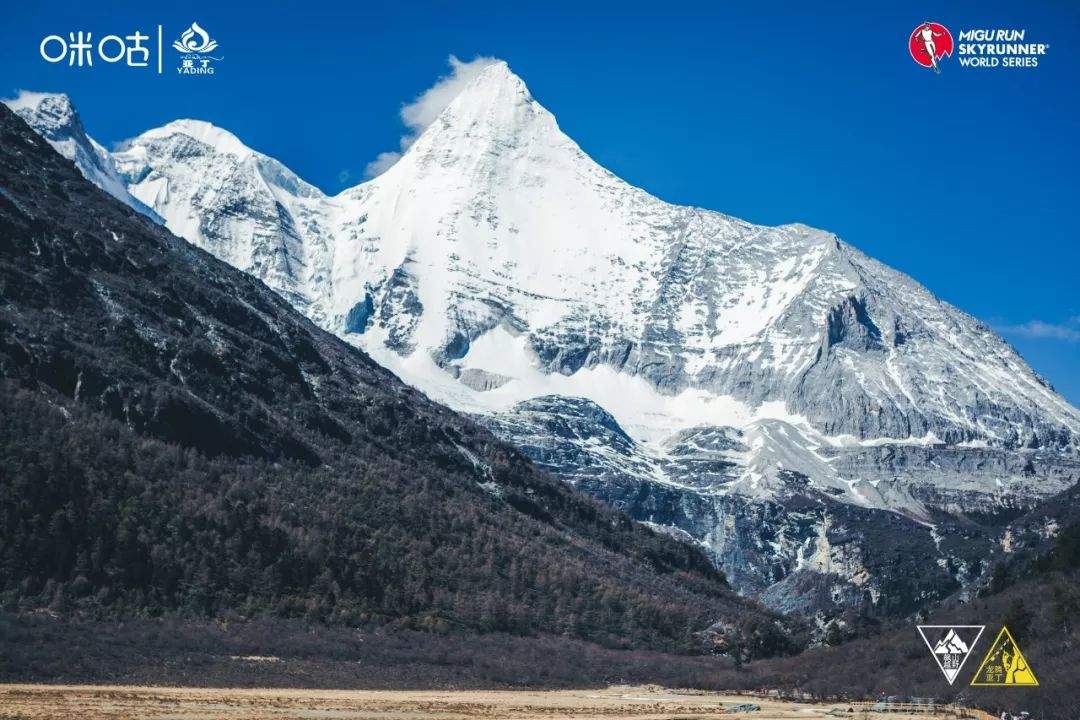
(158, 49)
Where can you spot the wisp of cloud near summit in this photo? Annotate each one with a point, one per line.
(1068, 331)
(423, 110)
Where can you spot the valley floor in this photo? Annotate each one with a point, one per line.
(128, 702)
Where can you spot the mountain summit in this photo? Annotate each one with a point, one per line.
(502, 226)
(708, 375)
(495, 108)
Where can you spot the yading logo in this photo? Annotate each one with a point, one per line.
(1004, 664)
(950, 645)
(195, 40)
(929, 42)
(195, 44)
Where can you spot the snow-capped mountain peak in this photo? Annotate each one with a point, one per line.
(545, 274)
(53, 114)
(495, 112)
(496, 263)
(204, 139)
(220, 140)
(242, 205)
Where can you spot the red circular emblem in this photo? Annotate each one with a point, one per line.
(929, 42)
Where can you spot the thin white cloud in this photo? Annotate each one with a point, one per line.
(1069, 331)
(382, 162)
(422, 111)
(28, 99)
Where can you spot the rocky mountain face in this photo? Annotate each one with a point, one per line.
(793, 406)
(178, 438)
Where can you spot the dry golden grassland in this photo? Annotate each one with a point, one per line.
(72, 702)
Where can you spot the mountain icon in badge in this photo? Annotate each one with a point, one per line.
(951, 644)
(950, 650)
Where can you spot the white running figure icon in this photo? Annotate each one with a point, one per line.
(927, 34)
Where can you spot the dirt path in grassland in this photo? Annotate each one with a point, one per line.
(69, 702)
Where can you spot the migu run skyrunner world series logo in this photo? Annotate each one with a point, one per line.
(931, 42)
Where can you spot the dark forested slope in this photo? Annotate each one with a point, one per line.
(174, 438)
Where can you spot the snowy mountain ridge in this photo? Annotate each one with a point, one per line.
(626, 343)
(55, 119)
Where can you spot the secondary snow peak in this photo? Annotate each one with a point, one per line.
(54, 117)
(219, 139)
(50, 110)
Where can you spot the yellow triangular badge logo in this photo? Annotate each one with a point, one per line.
(1004, 664)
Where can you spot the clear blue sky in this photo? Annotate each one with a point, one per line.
(774, 112)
